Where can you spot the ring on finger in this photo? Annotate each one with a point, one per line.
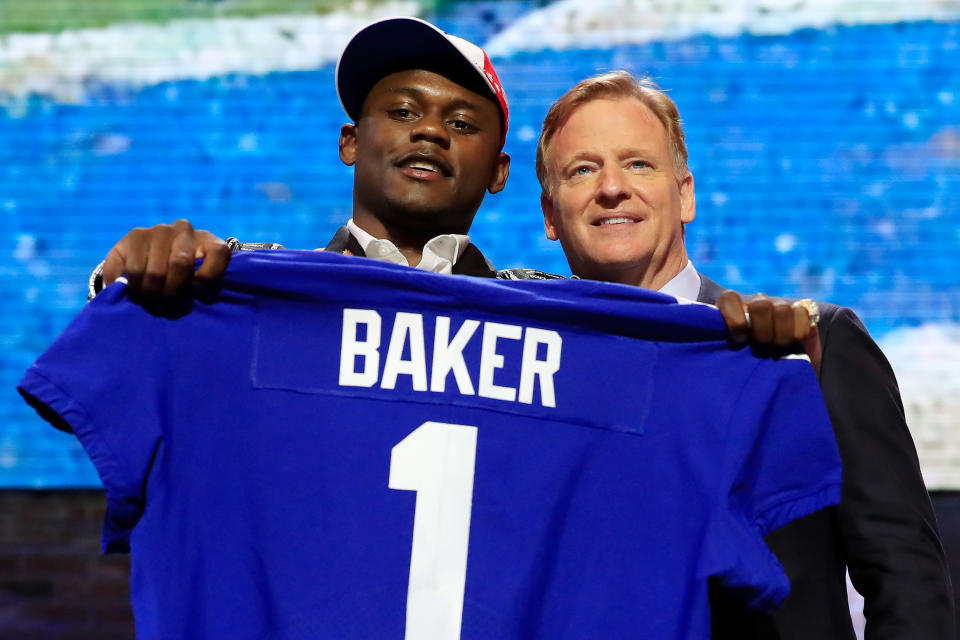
(812, 309)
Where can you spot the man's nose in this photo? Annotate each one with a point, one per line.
(613, 186)
(431, 127)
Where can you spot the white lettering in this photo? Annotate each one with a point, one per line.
(448, 356)
(350, 348)
(490, 360)
(530, 367)
(404, 325)
(406, 355)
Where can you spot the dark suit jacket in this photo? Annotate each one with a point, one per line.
(884, 530)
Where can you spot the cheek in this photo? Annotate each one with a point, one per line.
(573, 203)
(373, 139)
(566, 223)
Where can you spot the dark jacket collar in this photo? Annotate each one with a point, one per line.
(709, 290)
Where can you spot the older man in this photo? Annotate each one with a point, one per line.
(617, 192)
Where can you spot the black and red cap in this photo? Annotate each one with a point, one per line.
(397, 44)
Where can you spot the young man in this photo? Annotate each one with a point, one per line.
(429, 122)
(617, 193)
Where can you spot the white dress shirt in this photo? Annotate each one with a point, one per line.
(685, 284)
(439, 254)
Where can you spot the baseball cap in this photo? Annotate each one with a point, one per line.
(396, 44)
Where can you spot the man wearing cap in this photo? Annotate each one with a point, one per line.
(429, 123)
(617, 193)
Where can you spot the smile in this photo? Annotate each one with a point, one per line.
(424, 166)
(612, 221)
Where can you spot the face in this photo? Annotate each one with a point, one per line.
(616, 204)
(426, 150)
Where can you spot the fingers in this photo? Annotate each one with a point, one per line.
(159, 261)
(174, 264)
(215, 254)
(128, 257)
(115, 263)
(773, 321)
(783, 324)
(801, 324)
(158, 242)
(777, 321)
(733, 310)
(762, 318)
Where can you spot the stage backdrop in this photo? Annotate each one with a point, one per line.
(824, 138)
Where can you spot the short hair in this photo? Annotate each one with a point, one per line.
(610, 86)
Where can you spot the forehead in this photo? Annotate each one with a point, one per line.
(608, 124)
(431, 86)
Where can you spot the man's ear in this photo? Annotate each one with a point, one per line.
(501, 171)
(688, 201)
(549, 227)
(348, 144)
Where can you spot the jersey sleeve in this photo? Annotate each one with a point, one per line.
(781, 464)
(101, 380)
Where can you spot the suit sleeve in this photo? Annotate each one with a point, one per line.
(893, 548)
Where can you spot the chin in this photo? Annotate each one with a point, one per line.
(427, 216)
(610, 267)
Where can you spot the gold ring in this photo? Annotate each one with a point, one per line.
(813, 311)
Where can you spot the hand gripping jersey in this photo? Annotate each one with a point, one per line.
(333, 447)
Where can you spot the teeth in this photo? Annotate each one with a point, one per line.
(424, 166)
(615, 221)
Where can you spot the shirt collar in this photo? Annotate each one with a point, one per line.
(439, 254)
(685, 284)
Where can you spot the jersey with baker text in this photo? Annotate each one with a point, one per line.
(333, 447)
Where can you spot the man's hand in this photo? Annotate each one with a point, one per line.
(159, 261)
(771, 321)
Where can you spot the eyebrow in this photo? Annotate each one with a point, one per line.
(621, 153)
(407, 91)
(582, 155)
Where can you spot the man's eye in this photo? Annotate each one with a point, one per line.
(463, 126)
(639, 164)
(582, 171)
(402, 114)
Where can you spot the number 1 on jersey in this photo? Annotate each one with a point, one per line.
(437, 461)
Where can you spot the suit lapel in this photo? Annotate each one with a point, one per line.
(474, 263)
(342, 241)
(709, 290)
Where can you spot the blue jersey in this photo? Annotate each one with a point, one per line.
(333, 447)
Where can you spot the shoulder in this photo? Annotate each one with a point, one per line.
(840, 325)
